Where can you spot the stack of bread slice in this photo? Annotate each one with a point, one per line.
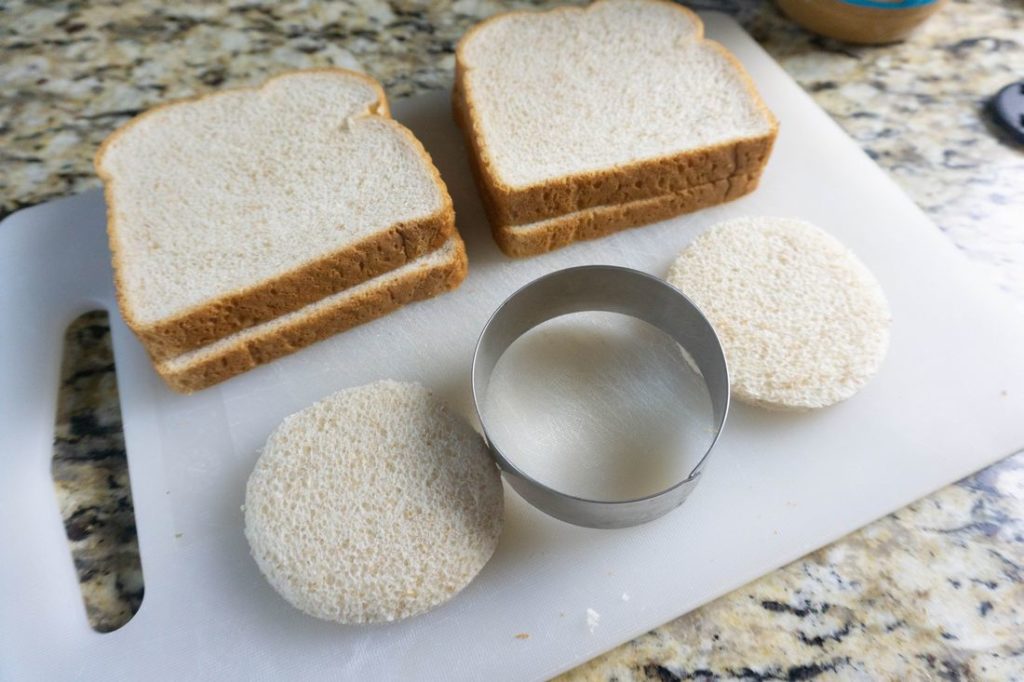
(247, 224)
(582, 122)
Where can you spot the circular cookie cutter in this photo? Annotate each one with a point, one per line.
(614, 289)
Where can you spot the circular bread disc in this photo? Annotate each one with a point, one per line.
(803, 322)
(374, 504)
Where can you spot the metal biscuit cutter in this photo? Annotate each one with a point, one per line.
(610, 289)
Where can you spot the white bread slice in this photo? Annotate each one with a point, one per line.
(231, 209)
(375, 504)
(575, 108)
(435, 273)
(803, 322)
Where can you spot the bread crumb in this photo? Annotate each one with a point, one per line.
(625, 597)
(593, 619)
(523, 635)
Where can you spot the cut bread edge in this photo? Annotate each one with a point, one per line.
(306, 283)
(424, 278)
(644, 179)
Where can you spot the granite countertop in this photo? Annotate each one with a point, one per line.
(933, 591)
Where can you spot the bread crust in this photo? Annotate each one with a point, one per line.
(519, 241)
(350, 312)
(213, 320)
(374, 256)
(644, 179)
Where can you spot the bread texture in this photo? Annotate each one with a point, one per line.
(437, 272)
(803, 322)
(573, 109)
(231, 209)
(375, 504)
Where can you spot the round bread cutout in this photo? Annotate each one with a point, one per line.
(803, 322)
(376, 503)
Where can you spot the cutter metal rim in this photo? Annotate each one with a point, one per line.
(607, 288)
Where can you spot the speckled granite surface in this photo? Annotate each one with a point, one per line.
(935, 591)
(91, 476)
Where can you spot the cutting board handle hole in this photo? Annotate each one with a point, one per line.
(90, 476)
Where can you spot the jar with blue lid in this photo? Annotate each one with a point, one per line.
(866, 22)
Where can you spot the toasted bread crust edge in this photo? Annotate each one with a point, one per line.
(349, 313)
(373, 256)
(601, 221)
(629, 182)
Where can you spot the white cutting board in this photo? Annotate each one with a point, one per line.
(949, 400)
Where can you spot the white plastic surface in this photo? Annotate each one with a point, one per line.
(949, 400)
